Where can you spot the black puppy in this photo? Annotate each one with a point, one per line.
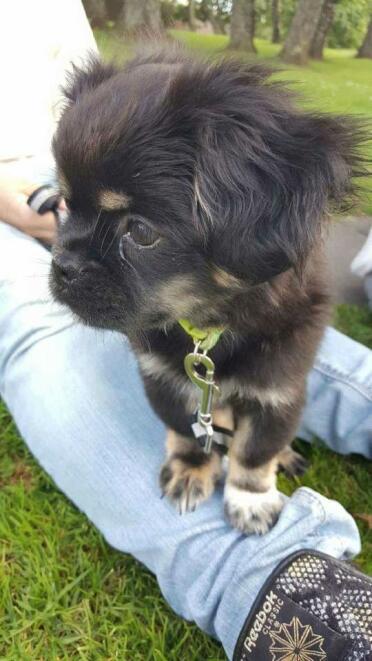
(196, 190)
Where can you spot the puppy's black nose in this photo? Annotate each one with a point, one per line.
(67, 266)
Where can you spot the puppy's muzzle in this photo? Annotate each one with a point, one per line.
(67, 267)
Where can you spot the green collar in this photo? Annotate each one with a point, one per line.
(207, 338)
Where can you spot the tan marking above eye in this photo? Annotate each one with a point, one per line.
(111, 200)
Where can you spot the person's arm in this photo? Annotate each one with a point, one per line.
(15, 211)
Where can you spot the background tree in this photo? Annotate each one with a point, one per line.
(96, 12)
(191, 15)
(113, 8)
(138, 15)
(275, 18)
(366, 48)
(242, 26)
(217, 12)
(296, 49)
(324, 24)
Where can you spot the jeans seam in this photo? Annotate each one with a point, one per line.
(329, 371)
(307, 493)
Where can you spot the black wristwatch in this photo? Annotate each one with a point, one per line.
(44, 199)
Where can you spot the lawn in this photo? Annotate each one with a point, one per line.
(64, 593)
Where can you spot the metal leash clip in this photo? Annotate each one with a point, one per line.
(203, 428)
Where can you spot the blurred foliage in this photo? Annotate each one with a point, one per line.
(263, 17)
(347, 31)
(350, 23)
(172, 11)
(216, 11)
(219, 9)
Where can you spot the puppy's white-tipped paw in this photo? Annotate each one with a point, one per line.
(252, 512)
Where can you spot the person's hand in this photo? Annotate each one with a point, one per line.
(15, 211)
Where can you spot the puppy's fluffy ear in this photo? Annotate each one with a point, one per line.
(88, 77)
(268, 174)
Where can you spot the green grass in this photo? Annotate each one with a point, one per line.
(340, 83)
(66, 595)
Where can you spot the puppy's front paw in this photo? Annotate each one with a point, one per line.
(187, 486)
(252, 512)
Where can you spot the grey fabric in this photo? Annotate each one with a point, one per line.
(345, 238)
(368, 288)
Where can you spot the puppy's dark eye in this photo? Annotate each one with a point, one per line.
(140, 233)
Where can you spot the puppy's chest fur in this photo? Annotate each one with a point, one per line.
(243, 376)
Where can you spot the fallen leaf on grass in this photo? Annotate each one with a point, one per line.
(367, 518)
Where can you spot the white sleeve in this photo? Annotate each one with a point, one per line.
(39, 40)
(75, 42)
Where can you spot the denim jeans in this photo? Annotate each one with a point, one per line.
(78, 401)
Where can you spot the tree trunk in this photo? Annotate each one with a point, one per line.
(96, 12)
(296, 48)
(140, 15)
(275, 18)
(191, 15)
(324, 24)
(366, 48)
(113, 8)
(242, 26)
(214, 18)
(217, 24)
